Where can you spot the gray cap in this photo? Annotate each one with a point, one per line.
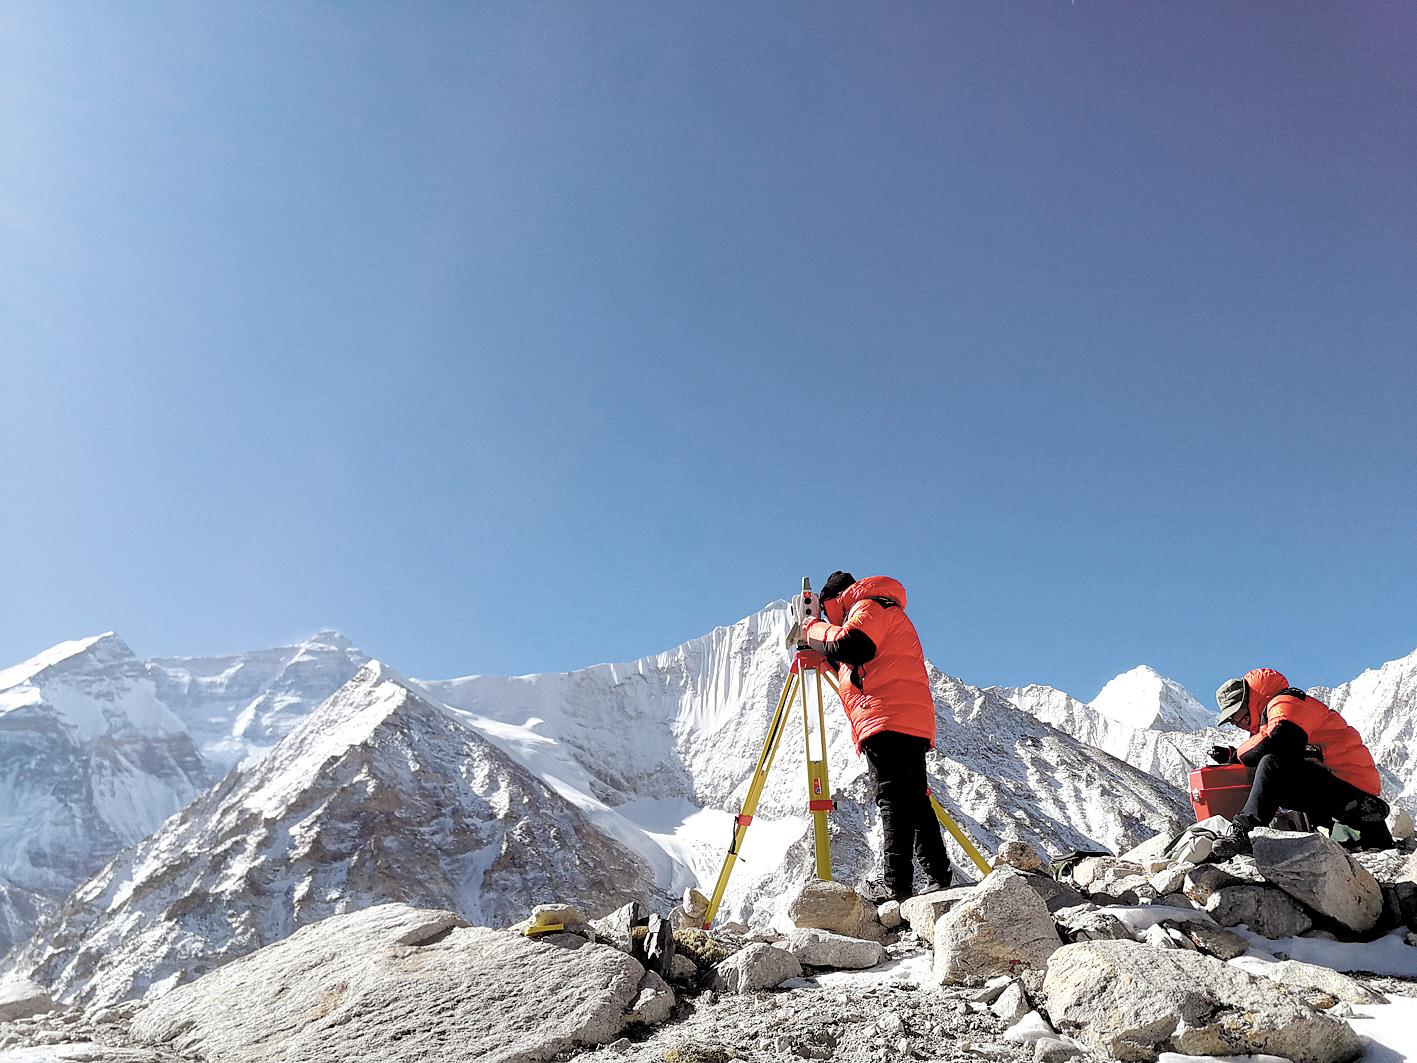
(1233, 698)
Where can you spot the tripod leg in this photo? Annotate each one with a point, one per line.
(819, 801)
(755, 792)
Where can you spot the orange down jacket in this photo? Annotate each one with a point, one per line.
(1344, 753)
(894, 691)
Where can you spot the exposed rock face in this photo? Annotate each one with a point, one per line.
(1130, 1002)
(91, 762)
(1316, 871)
(834, 906)
(378, 796)
(1003, 928)
(821, 948)
(757, 966)
(394, 983)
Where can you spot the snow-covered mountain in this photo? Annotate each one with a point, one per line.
(91, 762)
(239, 705)
(1382, 704)
(1142, 717)
(379, 795)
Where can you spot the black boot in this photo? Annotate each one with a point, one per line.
(1235, 843)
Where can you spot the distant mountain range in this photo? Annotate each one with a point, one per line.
(162, 817)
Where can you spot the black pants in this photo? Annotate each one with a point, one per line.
(908, 822)
(1309, 787)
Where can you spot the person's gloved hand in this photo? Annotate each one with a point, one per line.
(1222, 754)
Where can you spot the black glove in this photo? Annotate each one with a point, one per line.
(1222, 754)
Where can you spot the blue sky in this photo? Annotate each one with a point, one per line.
(513, 338)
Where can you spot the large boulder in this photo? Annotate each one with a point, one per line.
(1318, 872)
(834, 906)
(400, 985)
(924, 910)
(1132, 1003)
(822, 948)
(758, 966)
(20, 998)
(1231, 897)
(1003, 928)
(1309, 979)
(1018, 855)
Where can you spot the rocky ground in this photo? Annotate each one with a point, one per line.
(1124, 958)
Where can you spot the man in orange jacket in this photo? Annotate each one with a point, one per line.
(886, 695)
(1305, 758)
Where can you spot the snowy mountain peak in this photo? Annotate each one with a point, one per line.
(96, 650)
(1144, 698)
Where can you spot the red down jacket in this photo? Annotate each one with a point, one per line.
(893, 692)
(1344, 753)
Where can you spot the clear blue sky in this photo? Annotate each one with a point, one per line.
(511, 337)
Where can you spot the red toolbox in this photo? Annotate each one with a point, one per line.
(1219, 790)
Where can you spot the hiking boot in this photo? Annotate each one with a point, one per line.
(875, 893)
(1235, 843)
(935, 885)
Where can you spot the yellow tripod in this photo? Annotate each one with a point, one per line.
(808, 670)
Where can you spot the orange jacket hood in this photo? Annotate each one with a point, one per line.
(1264, 684)
(873, 587)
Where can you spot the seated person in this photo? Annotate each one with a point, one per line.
(1305, 758)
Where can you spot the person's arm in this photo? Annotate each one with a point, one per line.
(850, 643)
(1280, 738)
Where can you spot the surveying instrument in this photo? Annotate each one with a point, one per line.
(804, 687)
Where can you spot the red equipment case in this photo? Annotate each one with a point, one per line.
(1219, 790)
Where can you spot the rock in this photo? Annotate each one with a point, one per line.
(1156, 937)
(562, 939)
(993, 989)
(653, 1003)
(20, 998)
(1170, 880)
(550, 914)
(616, 928)
(1012, 1004)
(1019, 855)
(691, 911)
(1317, 872)
(923, 911)
(1054, 1050)
(656, 949)
(888, 915)
(1324, 980)
(1054, 894)
(400, 985)
(1400, 825)
(683, 969)
(1002, 929)
(1131, 1003)
(1213, 940)
(822, 948)
(756, 967)
(834, 906)
(1089, 870)
(1268, 912)
(1088, 922)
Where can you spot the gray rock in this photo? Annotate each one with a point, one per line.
(1213, 940)
(1054, 894)
(822, 948)
(1170, 880)
(1012, 1004)
(923, 911)
(653, 1003)
(397, 984)
(548, 914)
(1054, 1050)
(758, 966)
(1131, 1003)
(1157, 937)
(1019, 855)
(1089, 923)
(888, 915)
(656, 949)
(834, 906)
(1319, 873)
(1151, 851)
(615, 928)
(20, 998)
(1270, 913)
(1003, 928)
(683, 969)
(1324, 980)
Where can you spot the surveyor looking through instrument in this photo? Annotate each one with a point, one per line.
(885, 691)
(1305, 757)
